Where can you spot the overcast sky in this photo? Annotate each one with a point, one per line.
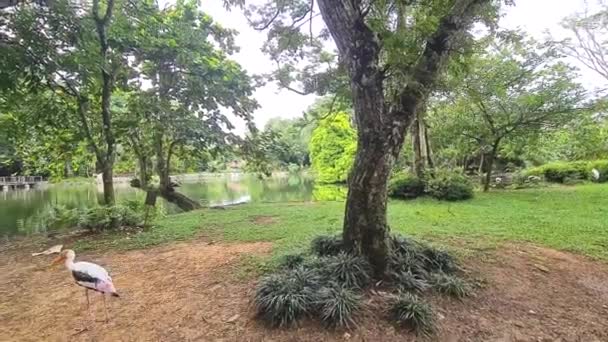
(533, 16)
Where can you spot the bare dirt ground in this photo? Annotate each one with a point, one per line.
(191, 292)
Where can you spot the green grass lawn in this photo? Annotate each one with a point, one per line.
(566, 218)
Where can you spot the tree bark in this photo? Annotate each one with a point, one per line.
(420, 144)
(490, 165)
(107, 176)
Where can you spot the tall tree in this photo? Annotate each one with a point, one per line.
(589, 39)
(391, 53)
(516, 88)
(73, 51)
(183, 58)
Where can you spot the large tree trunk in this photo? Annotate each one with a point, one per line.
(366, 230)
(381, 125)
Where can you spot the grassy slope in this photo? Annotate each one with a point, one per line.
(567, 218)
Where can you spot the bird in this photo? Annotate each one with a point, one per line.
(88, 275)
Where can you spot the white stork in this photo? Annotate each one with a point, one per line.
(88, 275)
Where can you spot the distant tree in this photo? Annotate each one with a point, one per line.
(75, 52)
(291, 141)
(182, 54)
(514, 89)
(332, 148)
(589, 40)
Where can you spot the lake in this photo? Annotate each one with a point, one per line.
(18, 208)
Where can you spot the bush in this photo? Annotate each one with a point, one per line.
(405, 186)
(438, 260)
(338, 305)
(324, 245)
(406, 256)
(449, 185)
(408, 281)
(347, 270)
(410, 311)
(561, 172)
(602, 167)
(291, 261)
(282, 298)
(111, 217)
(450, 285)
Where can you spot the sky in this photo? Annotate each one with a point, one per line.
(535, 17)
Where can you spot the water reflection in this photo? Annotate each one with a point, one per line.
(18, 208)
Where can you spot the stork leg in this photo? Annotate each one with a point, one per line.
(105, 307)
(86, 293)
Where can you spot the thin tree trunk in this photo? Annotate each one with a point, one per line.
(107, 176)
(419, 160)
(108, 156)
(490, 166)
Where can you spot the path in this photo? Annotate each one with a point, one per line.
(192, 292)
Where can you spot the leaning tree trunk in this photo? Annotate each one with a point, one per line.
(166, 189)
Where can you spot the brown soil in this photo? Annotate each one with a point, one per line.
(191, 292)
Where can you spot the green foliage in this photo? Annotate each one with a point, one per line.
(410, 311)
(329, 192)
(571, 172)
(290, 148)
(291, 261)
(324, 245)
(450, 285)
(109, 217)
(282, 298)
(405, 186)
(409, 281)
(511, 95)
(332, 148)
(449, 185)
(353, 272)
(338, 305)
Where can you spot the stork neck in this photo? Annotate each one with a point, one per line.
(69, 263)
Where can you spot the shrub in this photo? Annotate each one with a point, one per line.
(282, 298)
(405, 186)
(450, 285)
(408, 281)
(324, 245)
(110, 217)
(291, 261)
(438, 260)
(449, 185)
(406, 256)
(410, 311)
(348, 270)
(602, 167)
(338, 305)
(560, 172)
